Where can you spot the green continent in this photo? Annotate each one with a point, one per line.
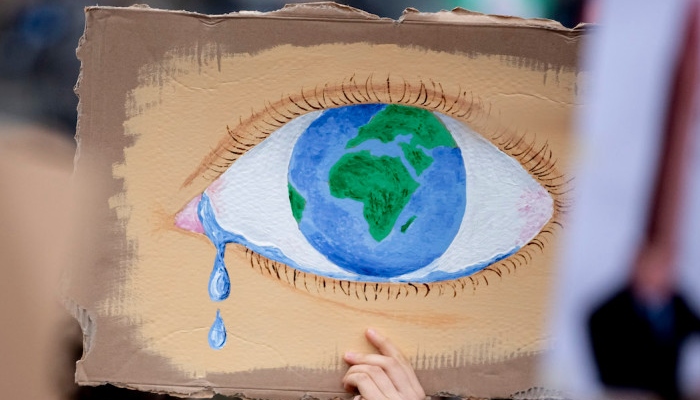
(425, 128)
(382, 184)
(416, 157)
(297, 202)
(407, 224)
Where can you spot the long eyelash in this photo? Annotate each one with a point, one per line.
(275, 115)
(540, 163)
(538, 160)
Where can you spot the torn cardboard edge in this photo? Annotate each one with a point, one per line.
(331, 10)
(206, 388)
(315, 11)
(534, 393)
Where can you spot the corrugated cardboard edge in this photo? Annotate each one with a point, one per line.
(461, 16)
(330, 10)
(300, 11)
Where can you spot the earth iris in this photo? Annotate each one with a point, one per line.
(379, 190)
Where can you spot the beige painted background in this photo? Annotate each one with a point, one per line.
(180, 112)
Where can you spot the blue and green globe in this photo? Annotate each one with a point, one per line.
(379, 190)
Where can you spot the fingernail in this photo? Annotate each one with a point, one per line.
(371, 332)
(349, 355)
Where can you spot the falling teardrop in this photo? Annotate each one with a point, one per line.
(217, 333)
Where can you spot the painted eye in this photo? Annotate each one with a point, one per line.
(372, 193)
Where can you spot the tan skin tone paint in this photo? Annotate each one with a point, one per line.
(271, 323)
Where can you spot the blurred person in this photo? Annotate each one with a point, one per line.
(637, 335)
(39, 212)
(625, 310)
(35, 204)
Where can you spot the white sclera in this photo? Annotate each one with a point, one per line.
(505, 207)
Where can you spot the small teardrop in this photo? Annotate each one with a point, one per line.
(217, 333)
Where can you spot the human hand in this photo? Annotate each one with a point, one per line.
(383, 376)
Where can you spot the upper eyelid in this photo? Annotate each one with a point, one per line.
(251, 131)
(462, 105)
(538, 159)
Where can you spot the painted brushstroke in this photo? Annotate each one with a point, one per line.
(269, 202)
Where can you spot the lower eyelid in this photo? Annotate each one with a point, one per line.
(380, 291)
(366, 291)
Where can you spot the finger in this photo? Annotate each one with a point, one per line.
(391, 366)
(383, 344)
(367, 385)
(387, 348)
(364, 384)
(385, 384)
(396, 372)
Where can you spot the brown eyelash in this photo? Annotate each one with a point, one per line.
(261, 124)
(539, 161)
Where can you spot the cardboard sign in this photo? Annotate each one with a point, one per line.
(282, 181)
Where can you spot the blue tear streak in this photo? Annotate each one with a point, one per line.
(217, 333)
(220, 237)
(219, 281)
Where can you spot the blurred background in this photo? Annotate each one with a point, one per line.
(38, 70)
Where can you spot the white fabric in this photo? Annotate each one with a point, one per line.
(631, 57)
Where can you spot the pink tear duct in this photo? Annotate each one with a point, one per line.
(188, 219)
(536, 209)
